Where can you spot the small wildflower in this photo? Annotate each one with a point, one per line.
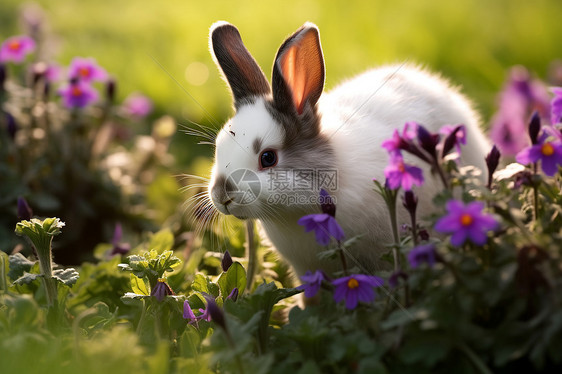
(24, 210)
(399, 174)
(226, 261)
(188, 313)
(466, 222)
(16, 48)
(78, 94)
(547, 151)
(324, 225)
(520, 97)
(398, 142)
(86, 70)
(119, 248)
(355, 288)
(137, 105)
(312, 282)
(422, 254)
(161, 290)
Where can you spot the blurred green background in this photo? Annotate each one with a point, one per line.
(156, 47)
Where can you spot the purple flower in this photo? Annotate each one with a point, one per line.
(312, 282)
(520, 97)
(327, 203)
(188, 313)
(193, 319)
(556, 106)
(455, 136)
(137, 105)
(161, 290)
(86, 70)
(78, 94)
(118, 247)
(548, 152)
(396, 143)
(24, 210)
(324, 225)
(355, 288)
(399, 174)
(16, 48)
(420, 254)
(466, 222)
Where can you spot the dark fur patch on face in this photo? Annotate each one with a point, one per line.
(304, 147)
(257, 144)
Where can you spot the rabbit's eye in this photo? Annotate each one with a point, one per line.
(268, 158)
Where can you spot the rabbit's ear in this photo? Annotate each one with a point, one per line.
(298, 71)
(241, 71)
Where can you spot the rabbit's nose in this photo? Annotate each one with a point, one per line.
(221, 189)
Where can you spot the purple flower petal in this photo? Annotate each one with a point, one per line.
(86, 70)
(16, 48)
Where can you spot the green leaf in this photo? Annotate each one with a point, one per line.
(235, 277)
(161, 241)
(67, 276)
(18, 265)
(139, 285)
(204, 284)
(27, 278)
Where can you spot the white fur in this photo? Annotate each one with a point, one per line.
(357, 116)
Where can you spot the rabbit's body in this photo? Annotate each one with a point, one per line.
(340, 131)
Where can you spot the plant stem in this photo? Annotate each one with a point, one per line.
(251, 251)
(476, 361)
(391, 202)
(441, 174)
(342, 258)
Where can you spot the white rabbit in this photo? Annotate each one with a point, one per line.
(288, 140)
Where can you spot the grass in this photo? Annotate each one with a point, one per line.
(151, 46)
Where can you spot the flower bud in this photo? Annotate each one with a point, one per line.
(2, 76)
(11, 125)
(492, 161)
(226, 261)
(110, 88)
(216, 313)
(410, 202)
(534, 127)
(327, 203)
(428, 141)
(24, 211)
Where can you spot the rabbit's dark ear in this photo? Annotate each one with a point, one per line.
(298, 71)
(241, 71)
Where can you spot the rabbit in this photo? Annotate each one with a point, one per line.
(289, 139)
